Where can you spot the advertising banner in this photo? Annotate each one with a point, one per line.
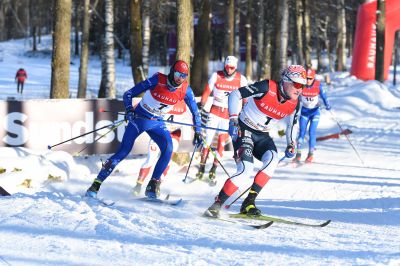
(37, 124)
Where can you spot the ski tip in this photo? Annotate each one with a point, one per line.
(262, 226)
(325, 223)
(227, 206)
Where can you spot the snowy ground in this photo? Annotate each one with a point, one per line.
(46, 222)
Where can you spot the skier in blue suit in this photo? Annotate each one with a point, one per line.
(310, 113)
(161, 93)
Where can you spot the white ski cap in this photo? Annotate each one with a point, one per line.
(230, 60)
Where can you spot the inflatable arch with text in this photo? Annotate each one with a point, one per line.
(363, 63)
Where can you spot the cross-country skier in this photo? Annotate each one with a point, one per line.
(267, 101)
(221, 84)
(154, 152)
(161, 93)
(310, 113)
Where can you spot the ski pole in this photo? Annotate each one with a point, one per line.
(87, 133)
(341, 129)
(215, 156)
(230, 204)
(190, 163)
(111, 129)
(167, 121)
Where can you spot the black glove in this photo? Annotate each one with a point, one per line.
(198, 138)
(290, 151)
(129, 115)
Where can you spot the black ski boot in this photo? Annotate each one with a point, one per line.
(153, 188)
(200, 173)
(248, 206)
(93, 189)
(213, 210)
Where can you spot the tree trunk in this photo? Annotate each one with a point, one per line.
(299, 30)
(76, 26)
(341, 39)
(380, 41)
(396, 56)
(230, 27)
(260, 37)
(61, 50)
(146, 36)
(107, 86)
(237, 29)
(307, 34)
(201, 48)
(249, 66)
(184, 26)
(136, 41)
(82, 85)
(280, 55)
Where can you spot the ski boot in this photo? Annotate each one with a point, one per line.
(213, 210)
(211, 175)
(153, 189)
(310, 157)
(200, 173)
(136, 190)
(248, 206)
(93, 189)
(298, 157)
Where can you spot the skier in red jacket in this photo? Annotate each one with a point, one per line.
(20, 79)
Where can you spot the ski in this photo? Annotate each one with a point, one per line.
(103, 202)
(278, 220)
(165, 201)
(211, 183)
(255, 226)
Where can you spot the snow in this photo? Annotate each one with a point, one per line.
(46, 221)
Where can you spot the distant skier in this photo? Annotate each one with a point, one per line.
(310, 113)
(268, 101)
(153, 151)
(20, 78)
(221, 84)
(161, 93)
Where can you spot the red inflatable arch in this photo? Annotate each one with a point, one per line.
(363, 63)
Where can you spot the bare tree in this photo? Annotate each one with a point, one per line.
(201, 49)
(281, 39)
(146, 36)
(269, 17)
(299, 31)
(107, 85)
(82, 83)
(184, 27)
(341, 38)
(249, 66)
(230, 27)
(61, 50)
(136, 41)
(260, 36)
(307, 33)
(380, 41)
(237, 29)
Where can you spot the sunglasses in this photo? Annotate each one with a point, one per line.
(180, 75)
(230, 67)
(310, 78)
(297, 85)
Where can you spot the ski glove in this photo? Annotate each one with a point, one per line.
(197, 139)
(233, 128)
(290, 151)
(129, 115)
